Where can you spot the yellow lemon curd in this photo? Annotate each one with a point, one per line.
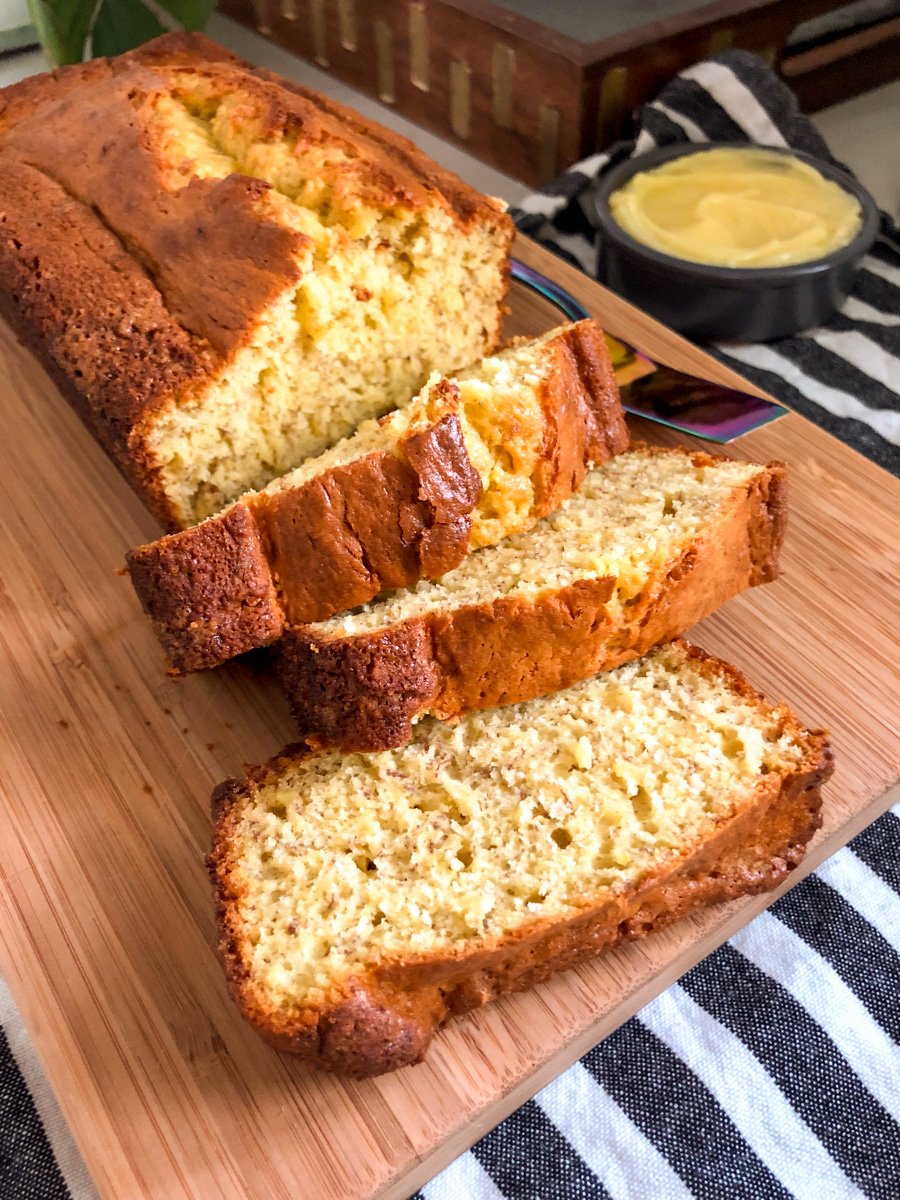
(741, 207)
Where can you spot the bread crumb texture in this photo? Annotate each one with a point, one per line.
(633, 514)
(342, 863)
(499, 406)
(386, 295)
(503, 425)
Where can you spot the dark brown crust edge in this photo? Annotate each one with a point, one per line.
(363, 691)
(78, 300)
(94, 321)
(584, 420)
(232, 583)
(387, 1020)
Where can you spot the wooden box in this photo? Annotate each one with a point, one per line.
(530, 97)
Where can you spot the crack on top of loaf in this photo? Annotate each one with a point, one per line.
(207, 127)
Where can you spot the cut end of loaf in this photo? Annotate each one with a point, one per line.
(391, 289)
(341, 872)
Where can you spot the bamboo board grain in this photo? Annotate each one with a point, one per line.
(105, 916)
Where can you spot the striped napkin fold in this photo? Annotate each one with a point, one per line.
(772, 1069)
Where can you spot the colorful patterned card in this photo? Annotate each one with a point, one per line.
(660, 393)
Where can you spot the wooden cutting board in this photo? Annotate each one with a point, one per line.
(106, 926)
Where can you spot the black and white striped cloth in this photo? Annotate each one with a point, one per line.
(773, 1068)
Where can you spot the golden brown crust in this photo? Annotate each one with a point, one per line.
(381, 522)
(225, 559)
(385, 1017)
(397, 171)
(20, 100)
(584, 418)
(331, 543)
(94, 317)
(363, 691)
(75, 295)
(207, 259)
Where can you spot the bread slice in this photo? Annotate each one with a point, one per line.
(365, 899)
(655, 540)
(471, 459)
(227, 273)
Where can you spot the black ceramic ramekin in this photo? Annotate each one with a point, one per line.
(747, 304)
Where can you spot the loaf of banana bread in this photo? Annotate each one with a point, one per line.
(365, 899)
(226, 273)
(472, 459)
(654, 541)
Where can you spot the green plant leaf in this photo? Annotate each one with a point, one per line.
(62, 27)
(70, 30)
